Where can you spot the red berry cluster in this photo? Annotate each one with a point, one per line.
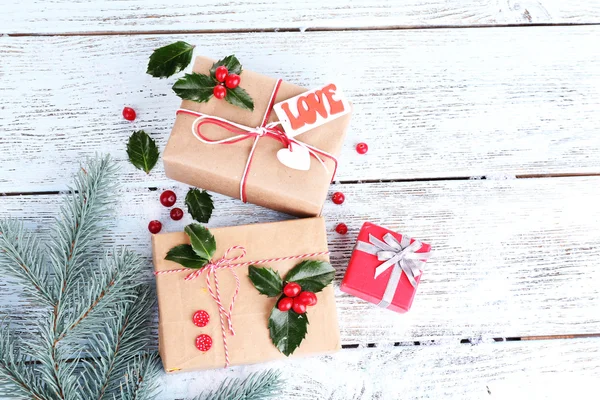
(294, 298)
(167, 199)
(226, 81)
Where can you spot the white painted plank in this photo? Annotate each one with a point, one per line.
(59, 16)
(430, 103)
(532, 370)
(511, 258)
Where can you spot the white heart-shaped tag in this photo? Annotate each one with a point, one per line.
(296, 158)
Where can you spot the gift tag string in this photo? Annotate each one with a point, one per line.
(265, 129)
(229, 262)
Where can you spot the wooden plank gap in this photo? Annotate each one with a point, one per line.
(288, 30)
(557, 175)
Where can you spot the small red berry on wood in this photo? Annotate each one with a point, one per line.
(129, 113)
(219, 91)
(299, 307)
(362, 148)
(285, 304)
(232, 81)
(168, 198)
(201, 318)
(203, 342)
(307, 298)
(341, 228)
(338, 198)
(176, 214)
(154, 226)
(221, 73)
(292, 289)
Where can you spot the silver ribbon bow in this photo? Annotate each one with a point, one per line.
(401, 256)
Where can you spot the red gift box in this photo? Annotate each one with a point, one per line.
(385, 267)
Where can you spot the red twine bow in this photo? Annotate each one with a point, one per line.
(227, 262)
(242, 132)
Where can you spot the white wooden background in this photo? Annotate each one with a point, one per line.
(482, 122)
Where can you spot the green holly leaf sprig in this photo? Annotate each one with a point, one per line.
(200, 88)
(199, 204)
(171, 59)
(288, 328)
(142, 151)
(197, 254)
(175, 57)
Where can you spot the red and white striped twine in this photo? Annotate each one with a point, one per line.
(227, 262)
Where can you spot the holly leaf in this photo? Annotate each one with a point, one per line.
(185, 255)
(266, 280)
(142, 151)
(240, 98)
(199, 204)
(287, 329)
(232, 64)
(170, 59)
(311, 275)
(195, 87)
(203, 242)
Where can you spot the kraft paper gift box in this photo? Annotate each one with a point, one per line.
(220, 167)
(385, 268)
(179, 299)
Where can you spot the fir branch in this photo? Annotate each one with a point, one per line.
(17, 377)
(21, 256)
(109, 287)
(141, 379)
(79, 228)
(76, 234)
(94, 307)
(54, 367)
(119, 344)
(257, 386)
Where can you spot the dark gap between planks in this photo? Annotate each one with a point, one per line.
(475, 341)
(359, 181)
(308, 29)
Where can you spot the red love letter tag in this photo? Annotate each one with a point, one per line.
(311, 109)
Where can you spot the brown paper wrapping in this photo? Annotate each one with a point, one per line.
(219, 167)
(178, 299)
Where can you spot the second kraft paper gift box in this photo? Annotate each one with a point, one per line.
(220, 167)
(180, 299)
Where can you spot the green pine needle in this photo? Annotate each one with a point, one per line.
(257, 386)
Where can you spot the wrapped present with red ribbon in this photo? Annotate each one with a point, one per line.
(385, 267)
(281, 154)
(213, 316)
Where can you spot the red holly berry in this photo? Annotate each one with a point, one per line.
(154, 226)
(203, 342)
(232, 81)
(221, 73)
(168, 198)
(219, 91)
(299, 307)
(307, 298)
(292, 289)
(201, 318)
(341, 228)
(362, 148)
(338, 198)
(176, 214)
(285, 304)
(129, 113)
